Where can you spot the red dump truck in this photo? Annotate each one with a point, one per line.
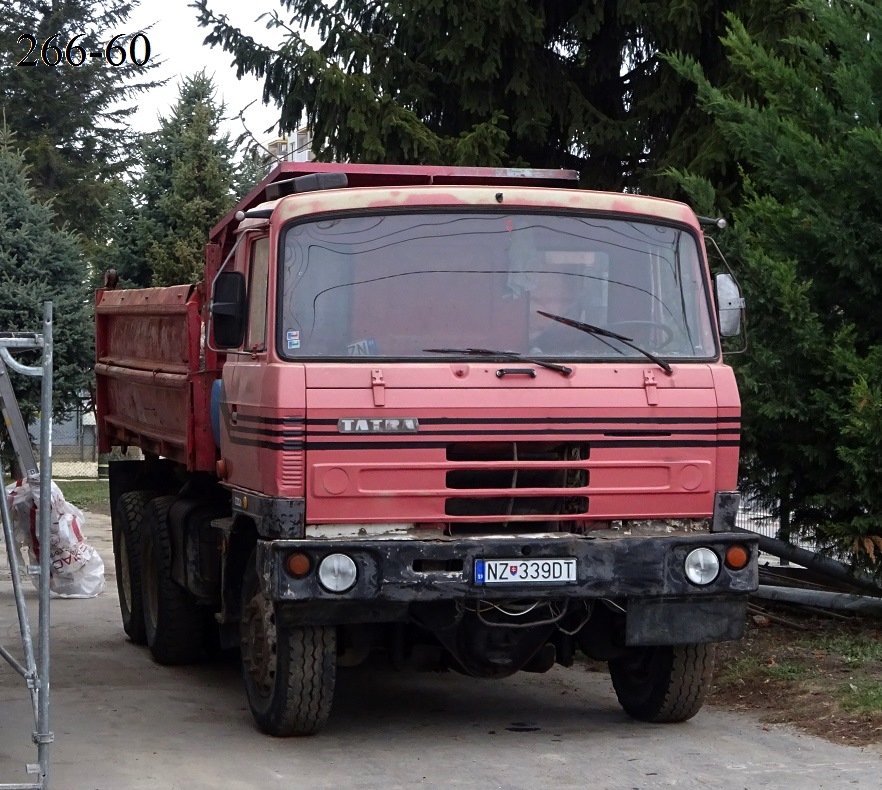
(467, 418)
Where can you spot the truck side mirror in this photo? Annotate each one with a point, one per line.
(228, 310)
(730, 305)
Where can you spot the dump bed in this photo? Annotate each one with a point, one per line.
(153, 376)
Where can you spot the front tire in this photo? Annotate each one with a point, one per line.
(663, 684)
(289, 671)
(173, 621)
(127, 528)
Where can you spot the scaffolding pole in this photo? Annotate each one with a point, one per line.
(35, 669)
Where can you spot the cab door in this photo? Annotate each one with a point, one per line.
(243, 444)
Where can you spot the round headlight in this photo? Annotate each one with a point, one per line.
(702, 566)
(337, 572)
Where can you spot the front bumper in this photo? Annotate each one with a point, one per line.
(406, 571)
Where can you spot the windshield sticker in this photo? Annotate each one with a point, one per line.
(293, 338)
(362, 348)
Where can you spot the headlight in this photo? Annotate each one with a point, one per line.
(702, 566)
(337, 573)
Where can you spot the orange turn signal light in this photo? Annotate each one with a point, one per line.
(299, 564)
(737, 557)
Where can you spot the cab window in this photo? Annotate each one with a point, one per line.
(257, 288)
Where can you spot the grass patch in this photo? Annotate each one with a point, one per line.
(755, 669)
(739, 670)
(787, 670)
(91, 495)
(826, 680)
(855, 649)
(864, 695)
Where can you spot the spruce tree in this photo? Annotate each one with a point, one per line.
(185, 188)
(126, 247)
(200, 194)
(70, 120)
(251, 169)
(543, 83)
(808, 246)
(39, 262)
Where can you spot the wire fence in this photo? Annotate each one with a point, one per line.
(74, 444)
(759, 517)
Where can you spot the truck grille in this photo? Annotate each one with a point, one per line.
(537, 469)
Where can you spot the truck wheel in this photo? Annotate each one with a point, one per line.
(127, 526)
(663, 684)
(173, 621)
(289, 671)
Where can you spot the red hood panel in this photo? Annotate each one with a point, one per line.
(636, 443)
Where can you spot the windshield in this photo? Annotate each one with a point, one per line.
(395, 285)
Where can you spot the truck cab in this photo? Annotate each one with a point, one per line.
(469, 418)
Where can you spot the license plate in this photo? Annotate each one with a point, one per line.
(521, 571)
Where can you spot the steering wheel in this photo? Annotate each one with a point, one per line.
(623, 326)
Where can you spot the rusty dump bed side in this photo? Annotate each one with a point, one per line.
(152, 375)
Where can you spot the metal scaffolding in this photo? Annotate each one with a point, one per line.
(35, 665)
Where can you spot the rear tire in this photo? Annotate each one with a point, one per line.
(127, 528)
(173, 621)
(663, 684)
(289, 671)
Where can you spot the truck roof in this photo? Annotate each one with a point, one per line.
(360, 175)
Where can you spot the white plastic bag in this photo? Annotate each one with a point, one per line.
(77, 571)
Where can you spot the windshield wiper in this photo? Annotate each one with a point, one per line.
(601, 332)
(489, 352)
